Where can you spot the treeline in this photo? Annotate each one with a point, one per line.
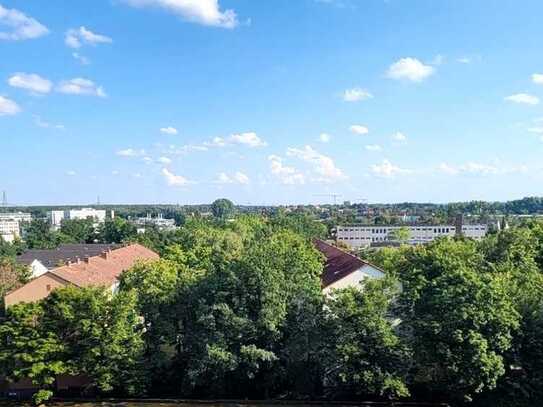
(234, 309)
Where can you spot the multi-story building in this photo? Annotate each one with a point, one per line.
(56, 217)
(365, 236)
(9, 229)
(10, 224)
(159, 222)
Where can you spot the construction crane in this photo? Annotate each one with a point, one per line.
(333, 196)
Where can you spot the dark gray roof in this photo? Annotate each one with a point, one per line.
(52, 258)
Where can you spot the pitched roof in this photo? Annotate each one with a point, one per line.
(105, 269)
(339, 264)
(64, 253)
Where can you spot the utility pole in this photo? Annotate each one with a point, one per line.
(333, 196)
(4, 199)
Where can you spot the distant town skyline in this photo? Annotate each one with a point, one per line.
(283, 102)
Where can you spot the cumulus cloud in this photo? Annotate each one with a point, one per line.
(249, 139)
(323, 166)
(237, 178)
(356, 95)
(537, 78)
(171, 131)
(130, 152)
(523, 98)
(286, 175)
(206, 12)
(19, 26)
(81, 86)
(410, 69)
(31, 82)
(324, 138)
(164, 160)
(373, 147)
(399, 137)
(388, 170)
(77, 37)
(8, 107)
(174, 180)
(71, 173)
(359, 129)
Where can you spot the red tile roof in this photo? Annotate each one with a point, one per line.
(105, 269)
(339, 264)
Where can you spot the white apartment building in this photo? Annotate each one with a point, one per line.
(9, 229)
(364, 236)
(56, 217)
(10, 224)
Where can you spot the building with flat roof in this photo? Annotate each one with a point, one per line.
(10, 224)
(366, 236)
(57, 216)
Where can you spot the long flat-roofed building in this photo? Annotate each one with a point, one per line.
(365, 236)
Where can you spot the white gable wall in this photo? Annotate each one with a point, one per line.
(354, 279)
(37, 268)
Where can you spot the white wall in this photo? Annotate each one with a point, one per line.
(354, 279)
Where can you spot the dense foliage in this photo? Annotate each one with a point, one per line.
(234, 309)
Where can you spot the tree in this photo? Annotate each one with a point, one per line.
(27, 351)
(38, 235)
(364, 356)
(458, 317)
(79, 230)
(222, 208)
(117, 230)
(401, 235)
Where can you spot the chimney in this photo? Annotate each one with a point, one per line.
(77, 260)
(86, 259)
(105, 254)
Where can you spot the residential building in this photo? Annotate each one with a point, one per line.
(102, 270)
(10, 224)
(41, 261)
(343, 270)
(56, 217)
(365, 236)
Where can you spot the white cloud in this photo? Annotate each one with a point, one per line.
(537, 78)
(164, 160)
(81, 86)
(373, 147)
(359, 129)
(448, 169)
(286, 175)
(130, 152)
(323, 166)
(523, 98)
(237, 178)
(438, 60)
(399, 137)
(249, 139)
(410, 69)
(536, 130)
(172, 131)
(174, 180)
(71, 173)
(324, 138)
(464, 60)
(76, 37)
(206, 12)
(356, 95)
(147, 160)
(388, 170)
(83, 60)
(19, 26)
(31, 82)
(8, 107)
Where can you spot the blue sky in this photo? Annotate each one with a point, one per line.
(184, 101)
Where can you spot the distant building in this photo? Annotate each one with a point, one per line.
(343, 270)
(159, 222)
(365, 236)
(56, 217)
(10, 224)
(41, 261)
(101, 270)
